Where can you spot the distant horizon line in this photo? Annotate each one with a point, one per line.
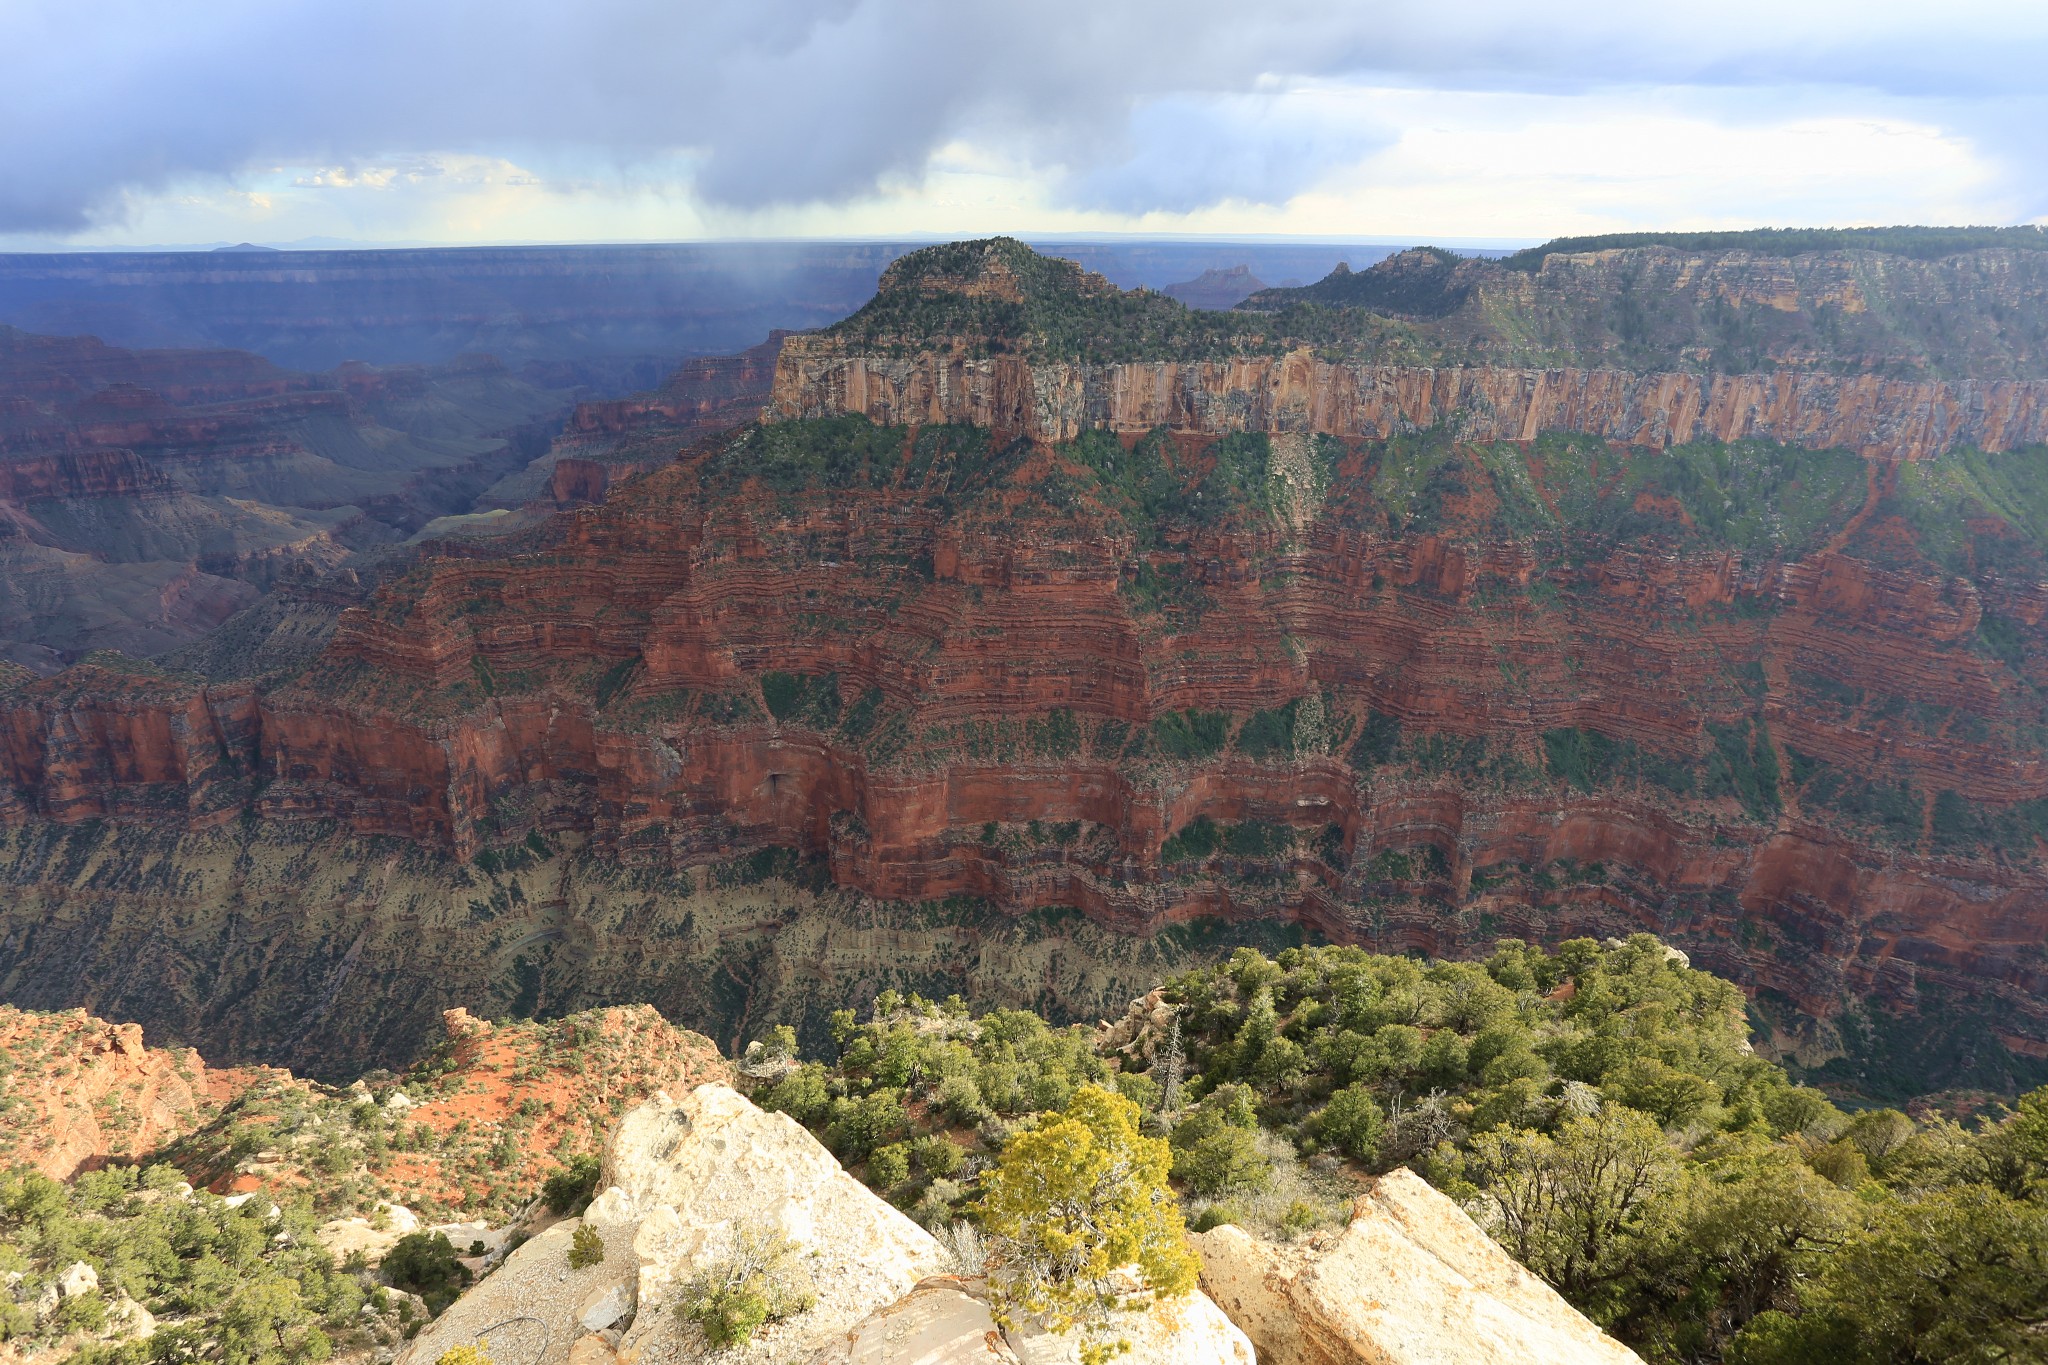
(319, 244)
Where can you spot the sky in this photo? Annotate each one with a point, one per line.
(129, 122)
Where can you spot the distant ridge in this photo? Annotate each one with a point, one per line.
(1921, 243)
(1217, 288)
(245, 246)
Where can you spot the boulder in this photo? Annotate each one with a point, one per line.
(1190, 1330)
(127, 1318)
(78, 1278)
(682, 1181)
(946, 1321)
(937, 1323)
(342, 1236)
(603, 1307)
(1411, 1280)
(525, 1313)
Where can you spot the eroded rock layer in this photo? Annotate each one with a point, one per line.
(1813, 763)
(1873, 415)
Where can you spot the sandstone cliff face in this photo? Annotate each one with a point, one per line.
(1781, 705)
(1874, 416)
(1410, 1281)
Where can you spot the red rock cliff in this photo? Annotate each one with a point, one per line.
(999, 690)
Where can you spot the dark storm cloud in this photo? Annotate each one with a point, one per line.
(1128, 105)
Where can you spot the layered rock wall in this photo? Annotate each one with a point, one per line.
(1874, 416)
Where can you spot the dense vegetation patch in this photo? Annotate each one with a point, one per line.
(245, 1285)
(1975, 511)
(1598, 1108)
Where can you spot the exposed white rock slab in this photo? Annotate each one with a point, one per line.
(343, 1236)
(681, 1180)
(1410, 1281)
(525, 1312)
(937, 1323)
(1188, 1330)
(604, 1306)
(946, 1321)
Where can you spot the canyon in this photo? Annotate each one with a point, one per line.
(148, 496)
(986, 666)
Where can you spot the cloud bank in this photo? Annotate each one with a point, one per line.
(1128, 107)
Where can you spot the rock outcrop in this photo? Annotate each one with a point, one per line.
(1190, 1330)
(1409, 1281)
(1877, 417)
(1894, 358)
(489, 1114)
(79, 1092)
(683, 1181)
(946, 1321)
(610, 684)
(686, 1183)
(940, 1322)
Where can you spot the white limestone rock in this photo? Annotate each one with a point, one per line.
(681, 1180)
(603, 1307)
(526, 1311)
(1410, 1281)
(946, 1321)
(343, 1236)
(938, 1323)
(1188, 1330)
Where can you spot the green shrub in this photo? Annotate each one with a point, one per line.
(424, 1263)
(889, 1166)
(960, 1099)
(80, 1313)
(1073, 1199)
(858, 1126)
(1353, 1122)
(1191, 734)
(801, 1094)
(756, 1281)
(1216, 1147)
(570, 1189)
(586, 1248)
(936, 1155)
